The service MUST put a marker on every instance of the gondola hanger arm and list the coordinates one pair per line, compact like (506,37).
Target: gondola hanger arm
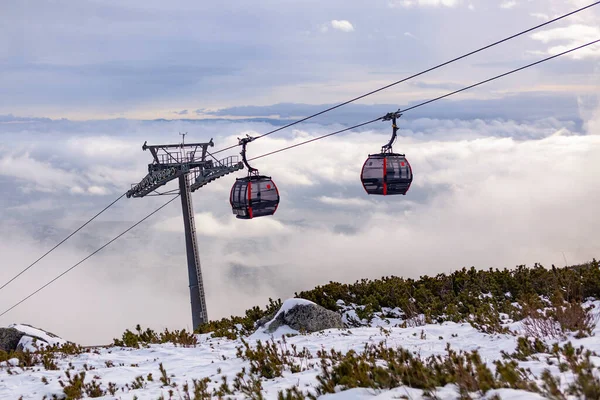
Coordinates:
(392,116)
(243,142)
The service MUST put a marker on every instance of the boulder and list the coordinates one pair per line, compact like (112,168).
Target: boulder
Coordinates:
(304,315)
(10,338)
(26,337)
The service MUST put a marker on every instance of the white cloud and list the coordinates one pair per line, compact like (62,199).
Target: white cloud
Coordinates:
(102,146)
(574,35)
(346,201)
(590,112)
(424,3)
(227,226)
(579,33)
(42,175)
(76,190)
(98,190)
(508,4)
(540,16)
(102,174)
(342,25)
(36,206)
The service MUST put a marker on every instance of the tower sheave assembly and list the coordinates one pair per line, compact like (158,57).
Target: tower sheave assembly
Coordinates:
(189,164)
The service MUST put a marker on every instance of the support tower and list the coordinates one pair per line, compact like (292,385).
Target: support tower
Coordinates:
(189,164)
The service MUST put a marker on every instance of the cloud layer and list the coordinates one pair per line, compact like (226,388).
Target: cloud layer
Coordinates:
(487,192)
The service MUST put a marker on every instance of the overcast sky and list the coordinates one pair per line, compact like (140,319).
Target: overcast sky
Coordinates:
(149,58)
(505,174)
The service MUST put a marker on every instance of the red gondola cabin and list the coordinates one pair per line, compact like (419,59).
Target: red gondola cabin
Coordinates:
(254,196)
(386,174)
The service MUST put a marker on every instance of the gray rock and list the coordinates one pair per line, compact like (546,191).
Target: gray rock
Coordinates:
(261,322)
(9,339)
(307,317)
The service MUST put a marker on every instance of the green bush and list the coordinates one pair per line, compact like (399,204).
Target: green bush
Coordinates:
(476,296)
(142,338)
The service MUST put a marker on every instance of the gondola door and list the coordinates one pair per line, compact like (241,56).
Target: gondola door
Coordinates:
(372,177)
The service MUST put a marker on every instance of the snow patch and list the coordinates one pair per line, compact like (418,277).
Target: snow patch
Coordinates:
(216,358)
(28,342)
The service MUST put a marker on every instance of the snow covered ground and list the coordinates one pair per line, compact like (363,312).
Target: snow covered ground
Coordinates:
(216,358)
